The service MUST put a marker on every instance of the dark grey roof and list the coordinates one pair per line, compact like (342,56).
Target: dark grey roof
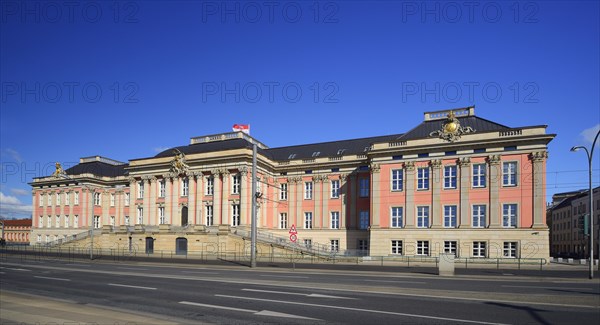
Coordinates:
(98,168)
(208,147)
(477,123)
(328,149)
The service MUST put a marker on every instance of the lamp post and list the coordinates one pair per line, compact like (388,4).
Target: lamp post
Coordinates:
(590,156)
(60,173)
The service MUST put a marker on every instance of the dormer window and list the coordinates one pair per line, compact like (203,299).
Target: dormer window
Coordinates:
(341,152)
(291,156)
(316,154)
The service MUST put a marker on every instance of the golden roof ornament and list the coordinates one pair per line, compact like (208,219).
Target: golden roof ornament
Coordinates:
(59,170)
(451,129)
(178,164)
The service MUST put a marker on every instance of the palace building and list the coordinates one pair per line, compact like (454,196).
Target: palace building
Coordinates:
(455,183)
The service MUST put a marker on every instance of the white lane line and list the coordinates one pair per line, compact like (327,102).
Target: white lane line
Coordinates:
(285,276)
(130,286)
(255,312)
(362,310)
(312,295)
(17,269)
(534,287)
(390,281)
(49,278)
(199,272)
(132,268)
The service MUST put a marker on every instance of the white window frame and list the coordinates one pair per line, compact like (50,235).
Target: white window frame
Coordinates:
(397,247)
(57,198)
(57,221)
(479,249)
(41,199)
(283,220)
(308,190)
(209,188)
(140,192)
(364,221)
(363,187)
(236,184)
(335,219)
(479,175)
(450,216)
(127,221)
(397,217)
(423,219)
(49,199)
(423,178)
(76,198)
(76,221)
(422,248)
(235,215)
(185,187)
(41,222)
(450,177)
(451,247)
(477,216)
(39,238)
(67,198)
(334,245)
(510,249)
(397,180)
(308,220)
(510,173)
(161,215)
(510,220)
(66,225)
(308,243)
(97,198)
(140,215)
(209,212)
(49,222)
(112,221)
(112,199)
(127,199)
(162,188)
(283,191)
(97,222)
(335,189)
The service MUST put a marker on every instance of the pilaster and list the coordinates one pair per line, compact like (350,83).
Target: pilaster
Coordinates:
(409,211)
(436,217)
(375,194)
(465,176)
(494,182)
(538,159)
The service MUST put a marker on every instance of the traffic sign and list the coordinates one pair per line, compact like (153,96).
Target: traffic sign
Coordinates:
(293,238)
(293,230)
(293,234)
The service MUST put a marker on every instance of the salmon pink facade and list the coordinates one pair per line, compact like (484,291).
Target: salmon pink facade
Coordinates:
(456,183)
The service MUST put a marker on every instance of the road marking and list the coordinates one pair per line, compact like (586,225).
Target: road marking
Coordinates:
(312,295)
(390,281)
(199,272)
(362,310)
(132,268)
(2,272)
(130,286)
(17,269)
(285,276)
(534,287)
(49,278)
(255,312)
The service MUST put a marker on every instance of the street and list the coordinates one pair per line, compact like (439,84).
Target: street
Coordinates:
(236,294)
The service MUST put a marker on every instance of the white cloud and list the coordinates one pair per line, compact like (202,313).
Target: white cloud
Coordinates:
(18,191)
(14,154)
(11,206)
(589,134)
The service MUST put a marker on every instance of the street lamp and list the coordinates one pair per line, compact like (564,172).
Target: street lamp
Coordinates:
(60,173)
(590,156)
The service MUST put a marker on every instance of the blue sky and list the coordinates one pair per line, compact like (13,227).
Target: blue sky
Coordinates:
(128,79)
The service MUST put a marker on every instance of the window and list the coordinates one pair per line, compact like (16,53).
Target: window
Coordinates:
(308,243)
(127,199)
(235,183)
(478,216)
(510,249)
(450,216)
(449,177)
(422,217)
(363,187)
(335,220)
(209,215)
(47,238)
(450,247)
(479,175)
(41,222)
(57,198)
(162,188)
(41,199)
(364,220)
(478,249)
(397,180)
(509,173)
(335,245)
(67,198)
(112,200)
(112,221)
(39,238)
(363,246)
(423,247)
(49,197)
(96,222)
(127,220)
(235,215)
(308,222)
(423,178)
(308,190)
(397,213)
(210,186)
(335,189)
(76,221)
(49,223)
(97,199)
(161,215)
(397,247)
(509,215)
(283,220)
(140,190)
(57,221)
(76,198)
(66,221)
(140,215)
(283,187)
(185,187)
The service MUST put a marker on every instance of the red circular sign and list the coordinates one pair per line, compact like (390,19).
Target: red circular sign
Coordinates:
(293,237)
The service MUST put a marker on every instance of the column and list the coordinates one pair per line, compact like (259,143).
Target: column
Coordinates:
(299,199)
(199,176)
(121,202)
(436,191)
(175,220)
(132,206)
(62,207)
(353,198)
(274,202)
(225,190)
(168,198)
(343,197)
(326,195)
(245,213)
(409,211)
(291,198)
(191,198)
(375,195)
(216,203)
(494,183)
(318,220)
(465,185)
(152,215)
(146,202)
(104,206)
(538,158)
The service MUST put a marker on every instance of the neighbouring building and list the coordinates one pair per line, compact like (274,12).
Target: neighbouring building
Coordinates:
(565,219)
(454,183)
(16,231)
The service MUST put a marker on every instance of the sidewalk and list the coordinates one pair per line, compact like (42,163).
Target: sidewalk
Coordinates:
(18,309)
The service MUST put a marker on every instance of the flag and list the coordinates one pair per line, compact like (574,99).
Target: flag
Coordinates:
(241,127)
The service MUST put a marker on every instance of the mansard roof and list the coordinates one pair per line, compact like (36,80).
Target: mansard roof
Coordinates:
(203,147)
(478,124)
(98,168)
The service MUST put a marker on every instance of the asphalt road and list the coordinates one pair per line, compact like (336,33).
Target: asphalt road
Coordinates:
(236,294)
